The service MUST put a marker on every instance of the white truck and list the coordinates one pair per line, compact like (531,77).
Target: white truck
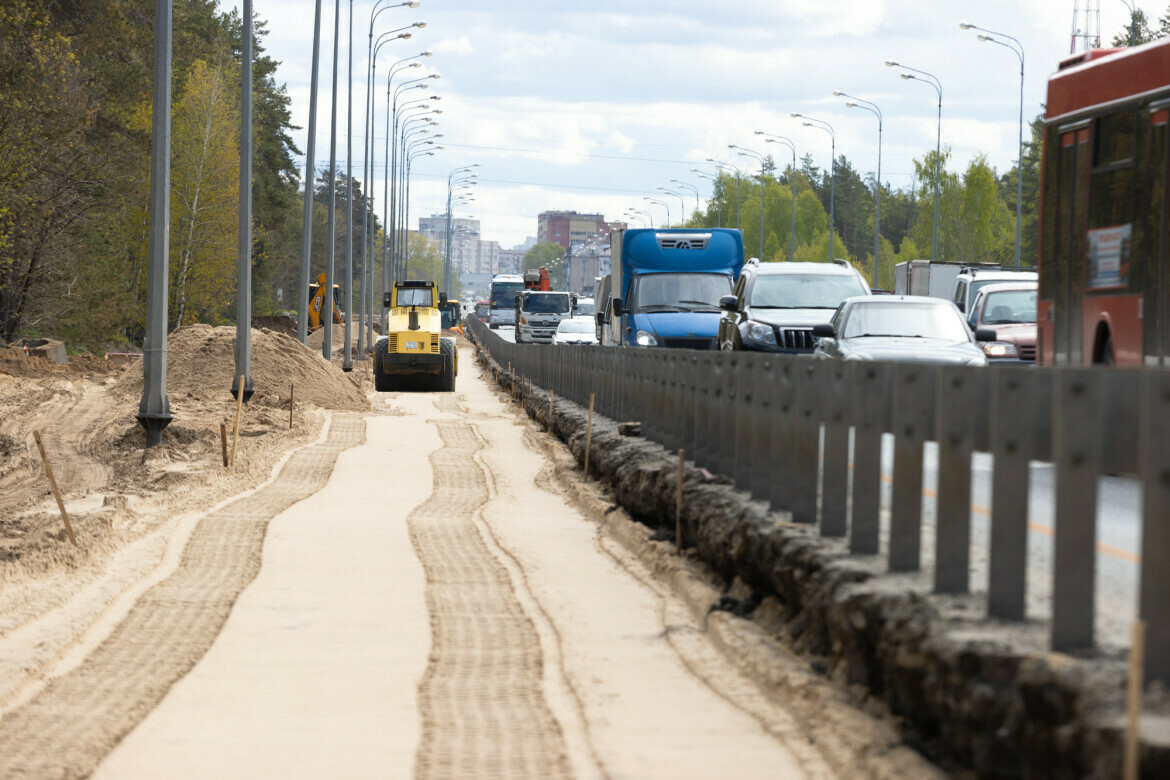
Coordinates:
(923,277)
(538,314)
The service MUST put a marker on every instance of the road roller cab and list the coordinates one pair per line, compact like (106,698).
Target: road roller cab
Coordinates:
(413,355)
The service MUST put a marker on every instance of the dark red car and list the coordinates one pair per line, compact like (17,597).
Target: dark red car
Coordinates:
(1008,308)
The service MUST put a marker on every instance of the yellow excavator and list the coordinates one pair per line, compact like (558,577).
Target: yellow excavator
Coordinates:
(317,302)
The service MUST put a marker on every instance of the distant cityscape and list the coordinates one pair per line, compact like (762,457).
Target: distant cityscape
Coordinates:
(583,237)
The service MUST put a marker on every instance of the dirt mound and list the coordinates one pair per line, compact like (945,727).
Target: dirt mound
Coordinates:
(201,361)
(316,340)
(280,323)
(14,362)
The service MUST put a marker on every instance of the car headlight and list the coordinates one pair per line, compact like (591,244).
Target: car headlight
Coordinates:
(1000,349)
(645,338)
(760,333)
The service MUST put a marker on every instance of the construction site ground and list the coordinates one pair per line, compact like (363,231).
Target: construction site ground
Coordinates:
(397,585)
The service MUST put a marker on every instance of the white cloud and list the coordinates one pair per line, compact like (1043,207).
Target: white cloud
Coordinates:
(460,46)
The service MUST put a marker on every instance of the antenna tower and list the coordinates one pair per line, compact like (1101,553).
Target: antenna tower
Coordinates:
(1086,25)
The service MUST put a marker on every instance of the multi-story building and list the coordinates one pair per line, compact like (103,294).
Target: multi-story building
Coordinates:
(585,262)
(510,261)
(489,257)
(566,227)
(465,251)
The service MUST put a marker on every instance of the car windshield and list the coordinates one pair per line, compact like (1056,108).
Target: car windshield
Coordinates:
(586,308)
(907,319)
(575,326)
(1009,306)
(414,296)
(680,292)
(804,291)
(546,303)
(978,284)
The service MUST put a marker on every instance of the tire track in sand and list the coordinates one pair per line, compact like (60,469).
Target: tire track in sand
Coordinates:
(79,717)
(481,699)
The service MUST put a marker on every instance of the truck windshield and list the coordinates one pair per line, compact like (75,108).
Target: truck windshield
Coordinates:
(504,297)
(414,296)
(680,292)
(804,291)
(546,303)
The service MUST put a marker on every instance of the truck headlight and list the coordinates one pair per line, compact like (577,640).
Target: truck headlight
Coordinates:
(1000,349)
(645,338)
(760,333)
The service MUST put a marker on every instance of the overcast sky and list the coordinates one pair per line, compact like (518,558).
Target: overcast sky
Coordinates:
(592,106)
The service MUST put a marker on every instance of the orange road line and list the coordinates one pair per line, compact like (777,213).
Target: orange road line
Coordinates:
(1040,528)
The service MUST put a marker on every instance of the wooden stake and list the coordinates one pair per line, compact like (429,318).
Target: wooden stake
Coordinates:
(53,487)
(678,503)
(239,413)
(589,435)
(1134,702)
(223,441)
(292,389)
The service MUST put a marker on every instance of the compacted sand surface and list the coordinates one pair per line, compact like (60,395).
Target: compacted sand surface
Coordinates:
(415,591)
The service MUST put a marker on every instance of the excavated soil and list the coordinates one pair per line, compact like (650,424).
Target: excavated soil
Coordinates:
(124,502)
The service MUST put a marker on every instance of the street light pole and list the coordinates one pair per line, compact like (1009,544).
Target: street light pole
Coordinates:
(718,201)
(310,174)
(692,188)
(1018,50)
(820,124)
(663,204)
(872,108)
(937,85)
(682,204)
(743,152)
(720,166)
(779,139)
(330,259)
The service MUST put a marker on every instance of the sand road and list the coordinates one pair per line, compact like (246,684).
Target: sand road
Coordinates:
(411,596)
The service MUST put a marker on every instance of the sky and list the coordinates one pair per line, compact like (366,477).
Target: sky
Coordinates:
(593,106)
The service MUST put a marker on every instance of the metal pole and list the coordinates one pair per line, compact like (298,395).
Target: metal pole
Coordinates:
(1020,163)
(792,235)
(387,228)
(937,161)
(310,147)
(327,308)
(363,315)
(832,192)
(347,356)
(244,264)
(154,409)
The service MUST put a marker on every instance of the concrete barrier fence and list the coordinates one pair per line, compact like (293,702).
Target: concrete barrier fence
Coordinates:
(806,436)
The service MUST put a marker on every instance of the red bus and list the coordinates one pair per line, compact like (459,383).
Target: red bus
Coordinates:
(1104,291)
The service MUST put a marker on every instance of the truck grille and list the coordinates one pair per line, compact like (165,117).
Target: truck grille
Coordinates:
(683,240)
(800,339)
(392,342)
(689,343)
(432,346)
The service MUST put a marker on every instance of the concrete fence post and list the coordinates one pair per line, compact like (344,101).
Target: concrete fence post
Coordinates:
(1154,456)
(912,391)
(688,398)
(870,383)
(672,437)
(783,412)
(725,414)
(705,383)
(1012,437)
(956,403)
(763,377)
(1076,446)
(806,426)
(835,465)
(746,419)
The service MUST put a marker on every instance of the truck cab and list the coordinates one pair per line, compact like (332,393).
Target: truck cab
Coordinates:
(666,286)
(538,314)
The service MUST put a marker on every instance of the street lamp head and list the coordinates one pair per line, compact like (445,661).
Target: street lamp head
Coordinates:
(415,65)
(838,93)
(426,53)
(807,124)
(757,132)
(891,64)
(434,76)
(796,116)
(984,37)
(403,36)
(965,25)
(419,24)
(850,104)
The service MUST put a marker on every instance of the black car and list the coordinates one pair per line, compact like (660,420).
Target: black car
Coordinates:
(775,305)
(906,328)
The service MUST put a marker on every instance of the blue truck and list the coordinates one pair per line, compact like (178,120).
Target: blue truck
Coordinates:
(665,285)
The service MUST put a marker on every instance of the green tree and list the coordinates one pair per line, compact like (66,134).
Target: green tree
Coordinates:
(551,256)
(45,113)
(772,253)
(1136,32)
(205,179)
